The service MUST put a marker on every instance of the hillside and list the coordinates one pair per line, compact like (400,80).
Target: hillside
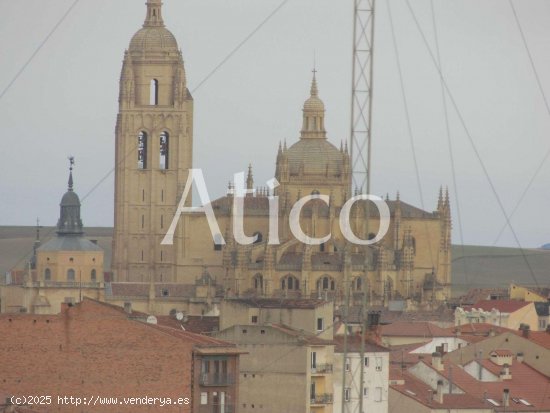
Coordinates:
(473,266)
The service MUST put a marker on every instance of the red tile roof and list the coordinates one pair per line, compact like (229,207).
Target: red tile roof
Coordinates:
(504,306)
(542,338)
(414,329)
(526,383)
(95,348)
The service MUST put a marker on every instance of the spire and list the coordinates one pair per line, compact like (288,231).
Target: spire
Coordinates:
(314,90)
(447,202)
(440,199)
(314,113)
(71,163)
(69,217)
(154,14)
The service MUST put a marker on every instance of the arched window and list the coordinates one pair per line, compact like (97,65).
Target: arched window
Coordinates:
(93,275)
(290,283)
(47,274)
(164,150)
(326,283)
(154,92)
(413,239)
(258,282)
(358,284)
(142,150)
(70,275)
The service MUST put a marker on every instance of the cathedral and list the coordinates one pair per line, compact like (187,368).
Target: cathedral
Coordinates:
(154,146)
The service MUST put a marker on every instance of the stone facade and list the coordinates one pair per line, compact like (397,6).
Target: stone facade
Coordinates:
(154,137)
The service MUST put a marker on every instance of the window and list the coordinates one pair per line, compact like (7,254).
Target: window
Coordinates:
(162,221)
(154,92)
(312,392)
(320,324)
(347,394)
(70,275)
(366,392)
(378,394)
(142,151)
(366,362)
(204,397)
(313,360)
(378,363)
(93,275)
(348,364)
(290,282)
(358,284)
(143,221)
(165,292)
(254,319)
(326,283)
(164,150)
(258,283)
(47,274)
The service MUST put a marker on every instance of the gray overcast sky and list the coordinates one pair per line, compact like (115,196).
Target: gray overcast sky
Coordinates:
(65,102)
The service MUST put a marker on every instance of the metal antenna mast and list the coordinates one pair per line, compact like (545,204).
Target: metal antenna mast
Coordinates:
(361,96)
(360,152)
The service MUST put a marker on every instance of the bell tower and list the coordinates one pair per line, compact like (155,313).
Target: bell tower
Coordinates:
(154,147)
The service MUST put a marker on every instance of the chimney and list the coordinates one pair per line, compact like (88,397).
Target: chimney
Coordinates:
(505,372)
(128,307)
(525,330)
(438,394)
(437,362)
(519,357)
(506,397)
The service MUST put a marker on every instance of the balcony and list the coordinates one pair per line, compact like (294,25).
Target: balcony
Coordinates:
(325,398)
(217,408)
(321,369)
(213,379)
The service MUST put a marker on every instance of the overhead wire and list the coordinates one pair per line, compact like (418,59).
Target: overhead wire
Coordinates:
(472,143)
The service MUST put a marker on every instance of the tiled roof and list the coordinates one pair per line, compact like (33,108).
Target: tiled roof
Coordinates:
(297,303)
(95,348)
(526,383)
(502,353)
(421,392)
(414,329)
(504,306)
(194,324)
(542,338)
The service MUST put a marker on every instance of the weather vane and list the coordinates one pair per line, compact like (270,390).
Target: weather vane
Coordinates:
(71,162)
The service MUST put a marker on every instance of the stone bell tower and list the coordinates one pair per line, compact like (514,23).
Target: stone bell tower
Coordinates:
(154,147)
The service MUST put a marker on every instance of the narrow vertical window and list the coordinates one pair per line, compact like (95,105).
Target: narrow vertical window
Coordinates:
(143,221)
(162,195)
(162,221)
(47,274)
(70,275)
(161,255)
(143,195)
(142,150)
(154,93)
(164,150)
(93,275)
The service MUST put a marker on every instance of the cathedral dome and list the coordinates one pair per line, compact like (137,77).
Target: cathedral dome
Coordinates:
(70,199)
(153,38)
(315,157)
(314,104)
